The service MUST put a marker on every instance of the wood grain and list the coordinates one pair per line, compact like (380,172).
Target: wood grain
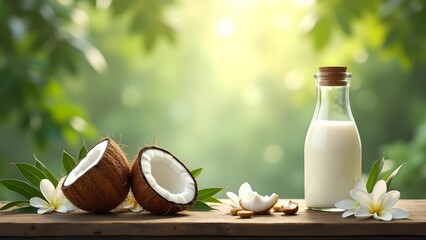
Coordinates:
(212,224)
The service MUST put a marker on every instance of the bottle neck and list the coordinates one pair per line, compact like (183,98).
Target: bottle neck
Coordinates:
(333,103)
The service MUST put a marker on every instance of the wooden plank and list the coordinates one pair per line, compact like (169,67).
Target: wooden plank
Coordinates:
(214,223)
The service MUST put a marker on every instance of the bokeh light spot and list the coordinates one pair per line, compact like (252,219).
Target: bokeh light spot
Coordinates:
(130,96)
(273,153)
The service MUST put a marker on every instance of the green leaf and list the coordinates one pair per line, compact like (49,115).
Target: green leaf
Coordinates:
(201,206)
(344,22)
(196,172)
(83,152)
(46,171)
(388,178)
(13,204)
(375,170)
(22,188)
(68,162)
(207,192)
(25,210)
(31,173)
(321,32)
(211,200)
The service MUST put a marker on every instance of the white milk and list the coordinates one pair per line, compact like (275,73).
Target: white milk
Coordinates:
(332,162)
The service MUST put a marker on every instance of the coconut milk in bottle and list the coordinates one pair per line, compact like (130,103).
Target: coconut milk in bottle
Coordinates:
(332,154)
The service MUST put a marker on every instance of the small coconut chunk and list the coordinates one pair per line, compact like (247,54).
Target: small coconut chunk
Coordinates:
(290,208)
(245,214)
(277,208)
(245,190)
(258,204)
(234,211)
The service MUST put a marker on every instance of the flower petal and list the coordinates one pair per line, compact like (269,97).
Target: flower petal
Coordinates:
(363,198)
(347,204)
(348,213)
(60,183)
(39,203)
(363,212)
(58,197)
(398,213)
(47,189)
(384,215)
(70,207)
(126,205)
(245,189)
(61,209)
(389,200)
(234,199)
(136,208)
(378,192)
(45,210)
(360,185)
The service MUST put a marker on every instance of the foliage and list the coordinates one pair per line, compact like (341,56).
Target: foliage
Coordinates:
(414,152)
(402,24)
(376,170)
(44,41)
(206,195)
(38,171)
(33,175)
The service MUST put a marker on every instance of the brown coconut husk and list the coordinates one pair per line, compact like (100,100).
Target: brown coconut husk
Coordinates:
(147,197)
(104,186)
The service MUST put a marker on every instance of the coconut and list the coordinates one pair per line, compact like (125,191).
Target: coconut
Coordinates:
(257,203)
(101,180)
(161,183)
(252,201)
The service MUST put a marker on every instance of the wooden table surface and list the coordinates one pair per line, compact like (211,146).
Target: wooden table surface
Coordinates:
(127,225)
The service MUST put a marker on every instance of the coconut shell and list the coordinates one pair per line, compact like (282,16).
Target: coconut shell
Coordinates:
(104,186)
(147,197)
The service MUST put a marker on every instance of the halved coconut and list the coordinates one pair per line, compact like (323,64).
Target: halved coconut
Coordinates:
(161,183)
(101,180)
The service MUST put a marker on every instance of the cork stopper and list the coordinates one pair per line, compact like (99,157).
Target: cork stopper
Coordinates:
(333,76)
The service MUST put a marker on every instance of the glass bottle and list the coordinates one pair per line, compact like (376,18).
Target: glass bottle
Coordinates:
(332,154)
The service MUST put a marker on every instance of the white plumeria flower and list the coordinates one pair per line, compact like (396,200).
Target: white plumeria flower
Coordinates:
(244,191)
(378,203)
(131,203)
(56,200)
(350,205)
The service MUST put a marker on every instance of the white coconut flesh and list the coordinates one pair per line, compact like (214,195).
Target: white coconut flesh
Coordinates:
(167,176)
(254,202)
(92,158)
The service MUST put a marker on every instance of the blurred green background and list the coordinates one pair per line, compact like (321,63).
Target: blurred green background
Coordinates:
(226,84)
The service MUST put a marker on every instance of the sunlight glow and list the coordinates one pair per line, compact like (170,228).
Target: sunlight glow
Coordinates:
(103,4)
(252,96)
(225,27)
(282,21)
(294,80)
(304,3)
